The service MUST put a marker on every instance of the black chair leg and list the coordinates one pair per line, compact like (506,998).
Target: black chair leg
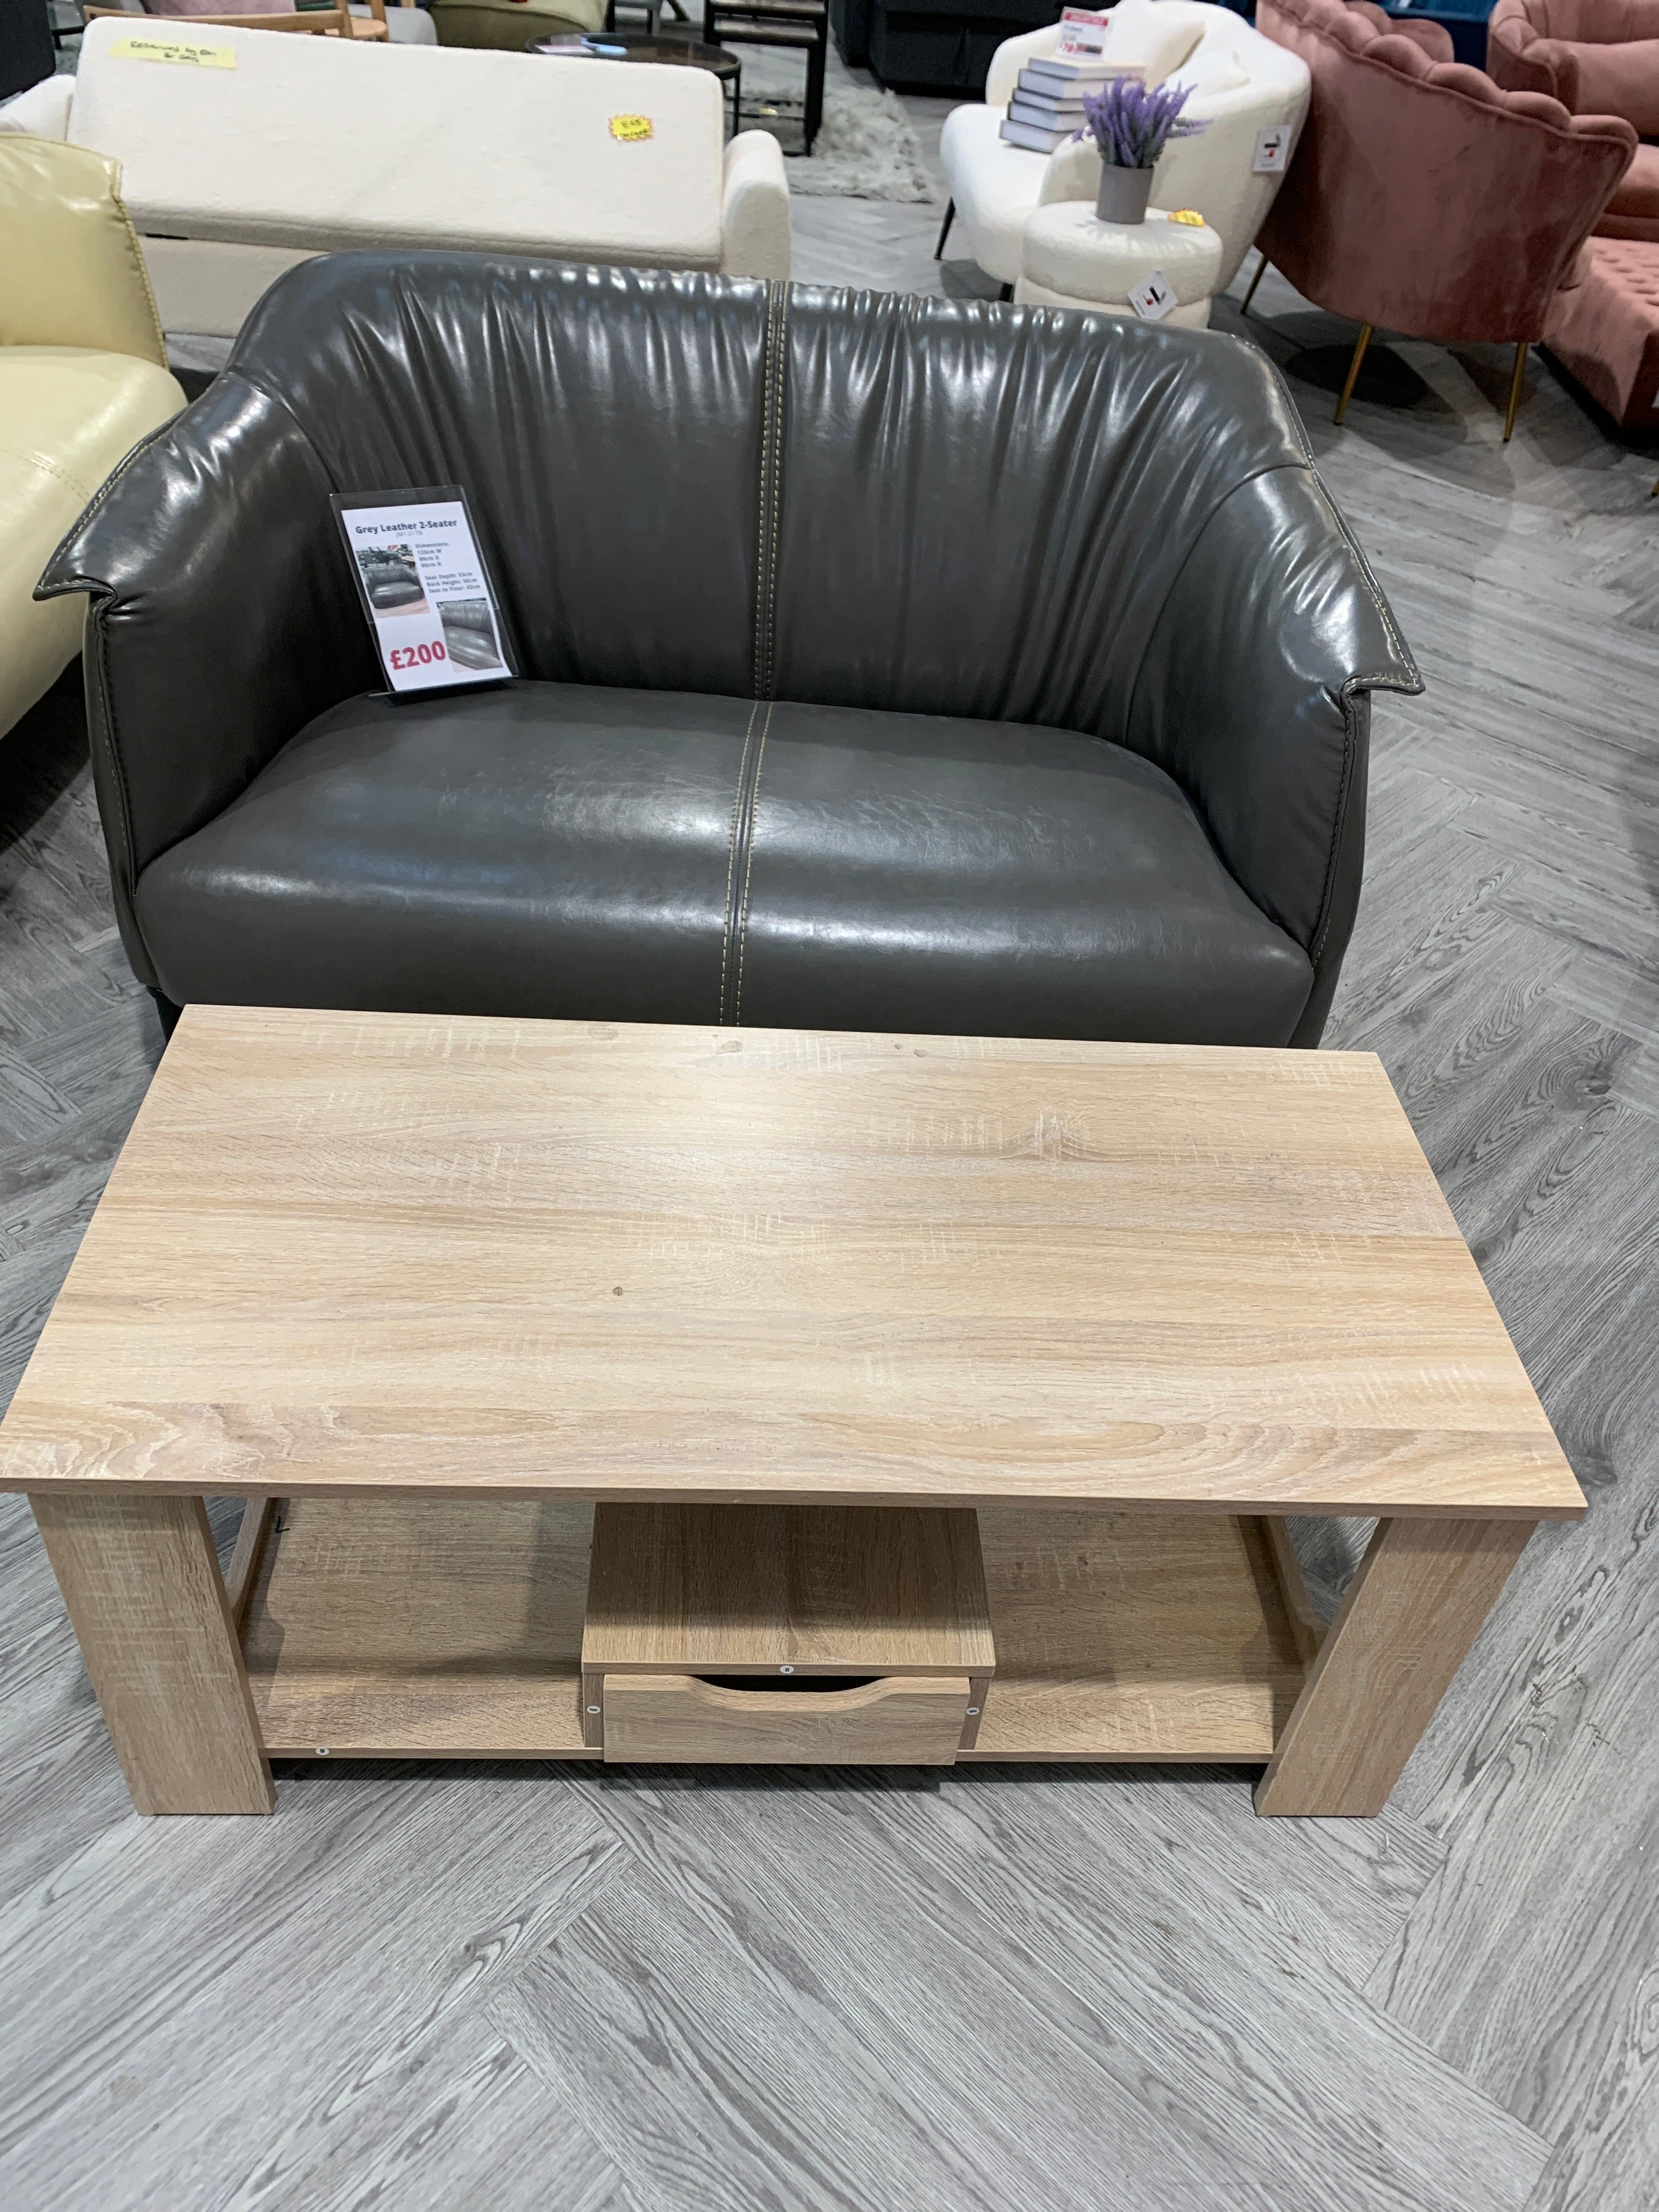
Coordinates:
(165,1008)
(945,228)
(815,58)
(1007,292)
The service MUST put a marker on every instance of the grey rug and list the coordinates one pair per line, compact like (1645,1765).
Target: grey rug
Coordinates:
(866,148)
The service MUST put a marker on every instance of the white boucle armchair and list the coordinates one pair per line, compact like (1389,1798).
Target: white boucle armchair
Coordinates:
(1240,84)
(297,146)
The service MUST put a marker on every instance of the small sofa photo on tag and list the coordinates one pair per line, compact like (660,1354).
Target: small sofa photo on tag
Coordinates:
(431,607)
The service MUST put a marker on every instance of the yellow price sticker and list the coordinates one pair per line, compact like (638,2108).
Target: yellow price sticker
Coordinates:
(631,127)
(183,53)
(1188,215)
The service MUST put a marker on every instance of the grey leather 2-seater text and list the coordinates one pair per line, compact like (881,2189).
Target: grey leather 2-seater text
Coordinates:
(887,663)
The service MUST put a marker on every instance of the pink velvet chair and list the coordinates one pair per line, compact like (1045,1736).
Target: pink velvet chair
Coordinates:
(1597,58)
(1423,198)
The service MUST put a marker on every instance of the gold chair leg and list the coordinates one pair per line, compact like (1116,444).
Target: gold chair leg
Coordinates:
(1515,389)
(1365,330)
(1260,269)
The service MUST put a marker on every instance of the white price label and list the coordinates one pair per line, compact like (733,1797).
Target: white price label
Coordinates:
(1153,299)
(1272,150)
(423,588)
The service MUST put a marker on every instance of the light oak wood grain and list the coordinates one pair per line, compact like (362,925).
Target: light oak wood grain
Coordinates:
(905,1720)
(1129,1637)
(819,1589)
(141,1585)
(640,1263)
(421,1627)
(1404,1628)
(1524,577)
(242,1575)
(1306,1626)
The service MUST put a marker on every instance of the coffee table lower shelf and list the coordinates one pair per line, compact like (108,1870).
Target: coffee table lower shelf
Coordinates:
(441,1628)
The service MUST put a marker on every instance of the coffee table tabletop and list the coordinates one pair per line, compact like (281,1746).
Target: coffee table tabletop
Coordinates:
(396,1253)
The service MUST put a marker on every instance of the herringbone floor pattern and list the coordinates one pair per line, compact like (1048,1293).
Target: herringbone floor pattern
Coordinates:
(1108,1991)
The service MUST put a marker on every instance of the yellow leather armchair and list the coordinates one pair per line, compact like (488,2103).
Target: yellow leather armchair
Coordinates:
(83,378)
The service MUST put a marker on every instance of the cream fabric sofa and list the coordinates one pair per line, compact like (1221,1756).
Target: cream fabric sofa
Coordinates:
(1242,83)
(83,379)
(291,147)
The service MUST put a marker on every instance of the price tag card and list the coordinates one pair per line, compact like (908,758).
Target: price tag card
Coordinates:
(1272,150)
(424,588)
(1082,34)
(1153,299)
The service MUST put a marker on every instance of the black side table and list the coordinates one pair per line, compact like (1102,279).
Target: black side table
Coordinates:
(803,24)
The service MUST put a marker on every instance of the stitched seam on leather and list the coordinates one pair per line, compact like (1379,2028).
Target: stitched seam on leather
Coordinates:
(142,267)
(1343,788)
(732,852)
(46,468)
(1392,680)
(113,745)
(765,515)
(99,498)
(749,866)
(766,569)
(780,358)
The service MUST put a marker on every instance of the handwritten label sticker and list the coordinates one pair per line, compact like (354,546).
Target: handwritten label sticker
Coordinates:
(631,128)
(1190,216)
(1153,299)
(1272,150)
(184,53)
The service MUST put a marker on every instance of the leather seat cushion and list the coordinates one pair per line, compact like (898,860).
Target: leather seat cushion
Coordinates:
(562,850)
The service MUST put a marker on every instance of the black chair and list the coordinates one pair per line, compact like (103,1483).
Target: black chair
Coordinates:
(885,663)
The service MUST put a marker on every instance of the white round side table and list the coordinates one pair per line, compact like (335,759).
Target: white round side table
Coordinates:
(1070,259)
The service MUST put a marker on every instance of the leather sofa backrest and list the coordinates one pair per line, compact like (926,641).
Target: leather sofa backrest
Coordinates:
(935,462)
(604,430)
(954,502)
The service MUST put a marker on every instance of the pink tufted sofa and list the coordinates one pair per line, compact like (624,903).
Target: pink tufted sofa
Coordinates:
(1597,56)
(1601,54)
(1423,198)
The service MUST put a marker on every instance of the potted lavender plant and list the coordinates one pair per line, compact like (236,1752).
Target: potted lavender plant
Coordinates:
(1132,124)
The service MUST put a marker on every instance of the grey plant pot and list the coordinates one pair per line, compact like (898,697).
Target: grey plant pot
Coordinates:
(1123,193)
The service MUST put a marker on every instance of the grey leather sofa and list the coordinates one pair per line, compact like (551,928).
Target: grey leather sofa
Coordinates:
(888,663)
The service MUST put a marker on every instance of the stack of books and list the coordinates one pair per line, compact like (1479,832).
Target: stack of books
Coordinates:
(1046,108)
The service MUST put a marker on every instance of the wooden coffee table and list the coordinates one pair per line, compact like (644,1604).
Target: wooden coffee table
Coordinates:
(608,1391)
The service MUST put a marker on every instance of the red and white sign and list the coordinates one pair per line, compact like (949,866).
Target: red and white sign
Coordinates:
(1082,34)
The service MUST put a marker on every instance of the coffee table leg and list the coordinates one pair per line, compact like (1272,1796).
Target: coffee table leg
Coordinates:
(1405,1628)
(141,1581)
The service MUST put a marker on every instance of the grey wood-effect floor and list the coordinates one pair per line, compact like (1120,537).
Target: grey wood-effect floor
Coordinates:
(652,1991)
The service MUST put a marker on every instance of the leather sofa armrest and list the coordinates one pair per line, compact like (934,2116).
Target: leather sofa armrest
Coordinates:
(221,619)
(42,111)
(1253,693)
(755,208)
(74,273)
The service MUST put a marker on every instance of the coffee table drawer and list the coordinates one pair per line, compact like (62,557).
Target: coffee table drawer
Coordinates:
(901,1720)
